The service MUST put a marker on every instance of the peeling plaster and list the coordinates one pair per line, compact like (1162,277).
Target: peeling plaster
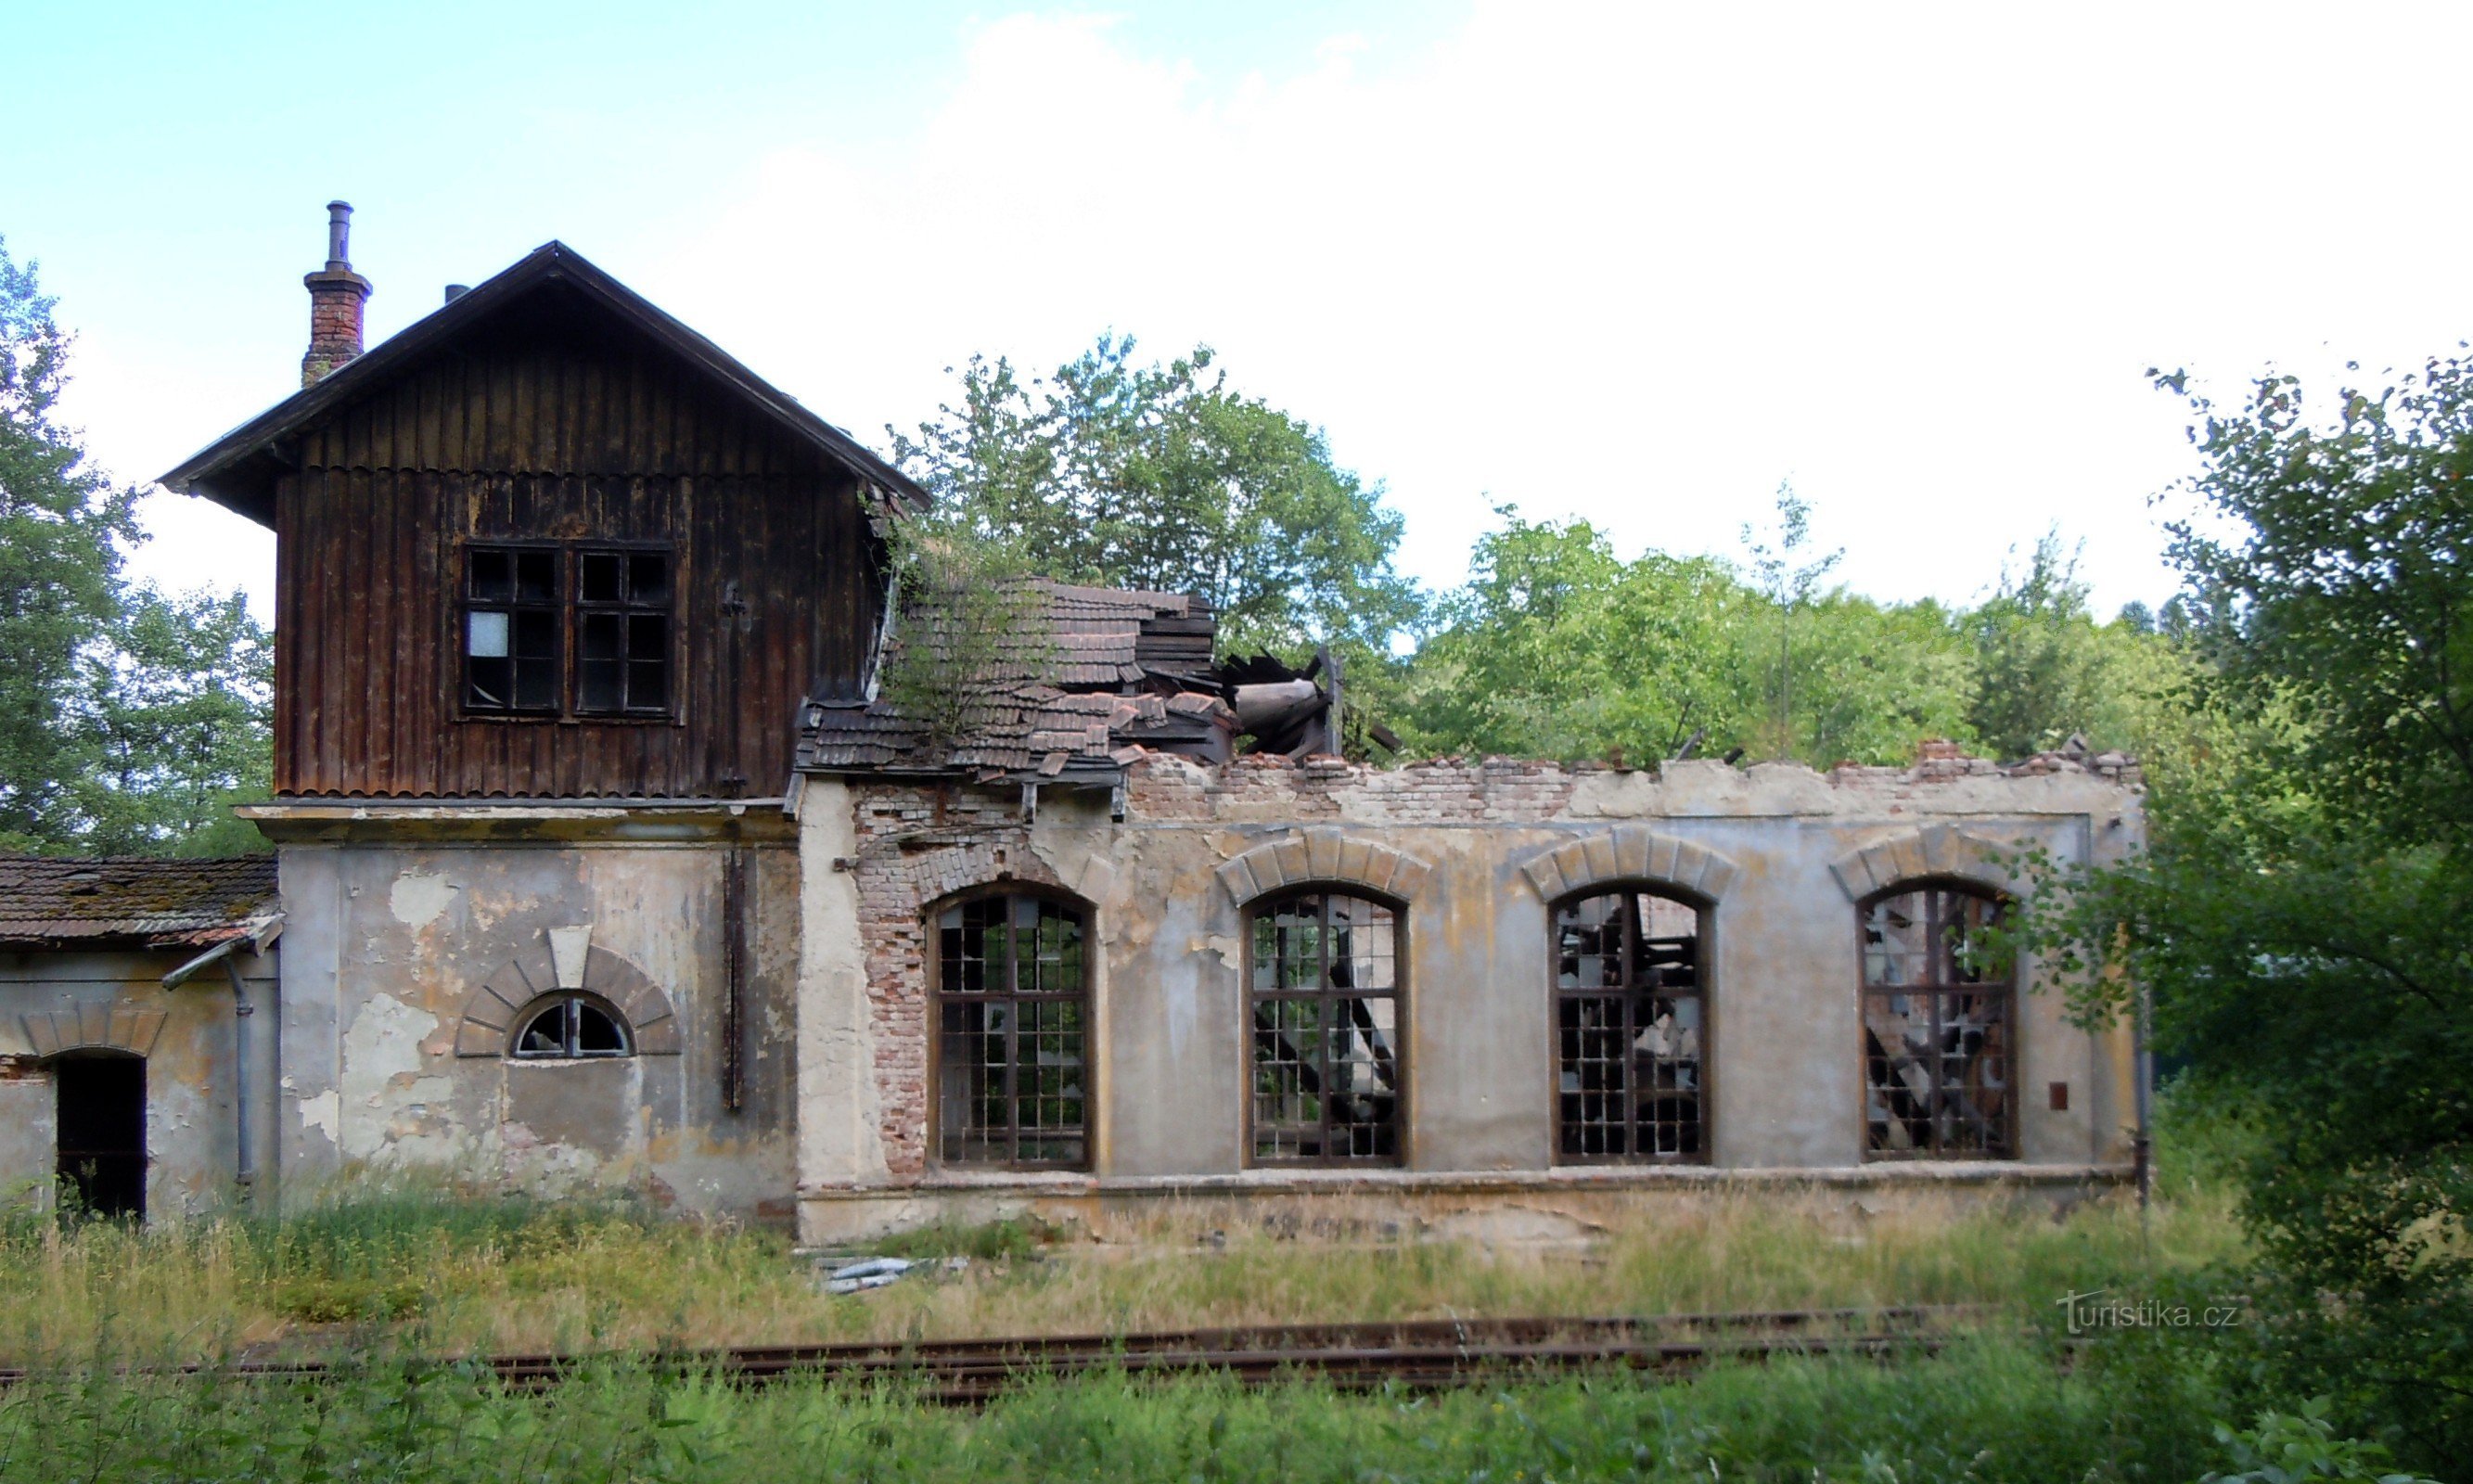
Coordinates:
(417,899)
(323,1113)
(384,1040)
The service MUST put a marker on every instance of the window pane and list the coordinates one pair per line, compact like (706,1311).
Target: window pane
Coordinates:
(601,686)
(596,1034)
(544,1034)
(1894,949)
(648,685)
(537,685)
(490,575)
(648,636)
(536,634)
(486,634)
(603,638)
(597,579)
(648,577)
(489,684)
(536,577)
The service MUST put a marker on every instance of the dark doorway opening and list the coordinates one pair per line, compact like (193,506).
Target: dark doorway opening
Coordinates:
(100,1114)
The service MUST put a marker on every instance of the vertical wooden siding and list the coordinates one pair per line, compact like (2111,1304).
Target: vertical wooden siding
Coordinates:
(544,441)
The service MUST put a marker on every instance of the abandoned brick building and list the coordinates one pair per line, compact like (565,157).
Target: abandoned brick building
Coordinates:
(602,860)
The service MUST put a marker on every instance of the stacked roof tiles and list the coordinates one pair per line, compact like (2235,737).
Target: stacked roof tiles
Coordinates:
(1072,697)
(129,902)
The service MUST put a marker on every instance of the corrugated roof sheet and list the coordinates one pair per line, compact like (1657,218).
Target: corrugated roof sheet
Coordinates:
(130,902)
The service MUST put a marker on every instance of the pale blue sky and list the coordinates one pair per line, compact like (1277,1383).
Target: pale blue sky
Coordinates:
(1631,262)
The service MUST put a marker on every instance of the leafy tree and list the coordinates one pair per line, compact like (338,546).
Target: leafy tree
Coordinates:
(59,519)
(128,718)
(2304,918)
(1162,477)
(1558,648)
(1789,585)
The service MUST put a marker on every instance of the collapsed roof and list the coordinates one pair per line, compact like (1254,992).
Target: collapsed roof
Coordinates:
(1099,676)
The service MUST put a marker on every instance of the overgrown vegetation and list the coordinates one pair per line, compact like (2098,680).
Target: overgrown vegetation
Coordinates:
(456,1271)
(2304,917)
(129,718)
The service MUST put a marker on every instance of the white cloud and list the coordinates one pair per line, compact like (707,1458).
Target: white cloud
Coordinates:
(1639,263)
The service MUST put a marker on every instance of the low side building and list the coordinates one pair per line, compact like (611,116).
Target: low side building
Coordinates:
(117,1092)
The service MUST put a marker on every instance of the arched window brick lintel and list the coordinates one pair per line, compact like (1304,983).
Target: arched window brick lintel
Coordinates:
(1943,851)
(490,1012)
(1322,855)
(1628,852)
(129,1028)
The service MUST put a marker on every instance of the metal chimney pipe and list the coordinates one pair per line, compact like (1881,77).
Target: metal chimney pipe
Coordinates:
(338,236)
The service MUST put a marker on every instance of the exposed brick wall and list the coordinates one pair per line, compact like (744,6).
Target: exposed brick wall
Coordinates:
(917,844)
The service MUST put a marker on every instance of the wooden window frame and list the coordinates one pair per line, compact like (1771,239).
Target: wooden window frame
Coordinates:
(1632,992)
(938,998)
(466,605)
(1939,989)
(1324,995)
(582,609)
(570,610)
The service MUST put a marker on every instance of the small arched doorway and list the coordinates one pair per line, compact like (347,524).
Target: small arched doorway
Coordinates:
(99,1111)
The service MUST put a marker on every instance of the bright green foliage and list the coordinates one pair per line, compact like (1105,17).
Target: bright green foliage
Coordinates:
(59,520)
(2297,1447)
(1161,477)
(2304,919)
(128,718)
(2044,669)
(1558,648)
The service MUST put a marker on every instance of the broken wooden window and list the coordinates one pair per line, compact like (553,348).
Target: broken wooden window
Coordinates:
(512,644)
(1324,998)
(1938,1010)
(569,1026)
(1011,1019)
(622,615)
(1630,1029)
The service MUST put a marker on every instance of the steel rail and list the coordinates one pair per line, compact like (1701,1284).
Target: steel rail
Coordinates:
(1415,1354)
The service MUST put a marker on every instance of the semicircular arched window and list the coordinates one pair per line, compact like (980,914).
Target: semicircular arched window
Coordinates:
(1012,1016)
(1630,1029)
(568,1028)
(1939,1012)
(1324,993)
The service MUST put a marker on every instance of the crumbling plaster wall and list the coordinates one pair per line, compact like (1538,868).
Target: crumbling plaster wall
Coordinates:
(389,943)
(52,1002)
(1169,1041)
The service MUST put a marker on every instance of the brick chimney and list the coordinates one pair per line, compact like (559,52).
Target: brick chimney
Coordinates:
(336,294)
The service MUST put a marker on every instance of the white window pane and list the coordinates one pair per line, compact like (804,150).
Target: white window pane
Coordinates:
(488,638)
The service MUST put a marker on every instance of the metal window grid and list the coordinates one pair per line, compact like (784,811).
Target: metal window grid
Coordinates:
(1325,1011)
(1011,1020)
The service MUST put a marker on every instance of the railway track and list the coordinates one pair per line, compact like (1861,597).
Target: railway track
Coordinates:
(1417,1353)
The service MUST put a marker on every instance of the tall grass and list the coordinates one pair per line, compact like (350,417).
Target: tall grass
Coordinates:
(1986,1411)
(457,1271)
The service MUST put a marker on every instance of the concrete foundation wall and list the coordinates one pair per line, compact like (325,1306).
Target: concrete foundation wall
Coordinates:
(1779,853)
(405,960)
(56,1004)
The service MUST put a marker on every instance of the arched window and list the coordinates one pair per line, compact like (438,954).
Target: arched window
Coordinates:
(563,1027)
(1324,993)
(1630,1029)
(1011,1012)
(1938,1054)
